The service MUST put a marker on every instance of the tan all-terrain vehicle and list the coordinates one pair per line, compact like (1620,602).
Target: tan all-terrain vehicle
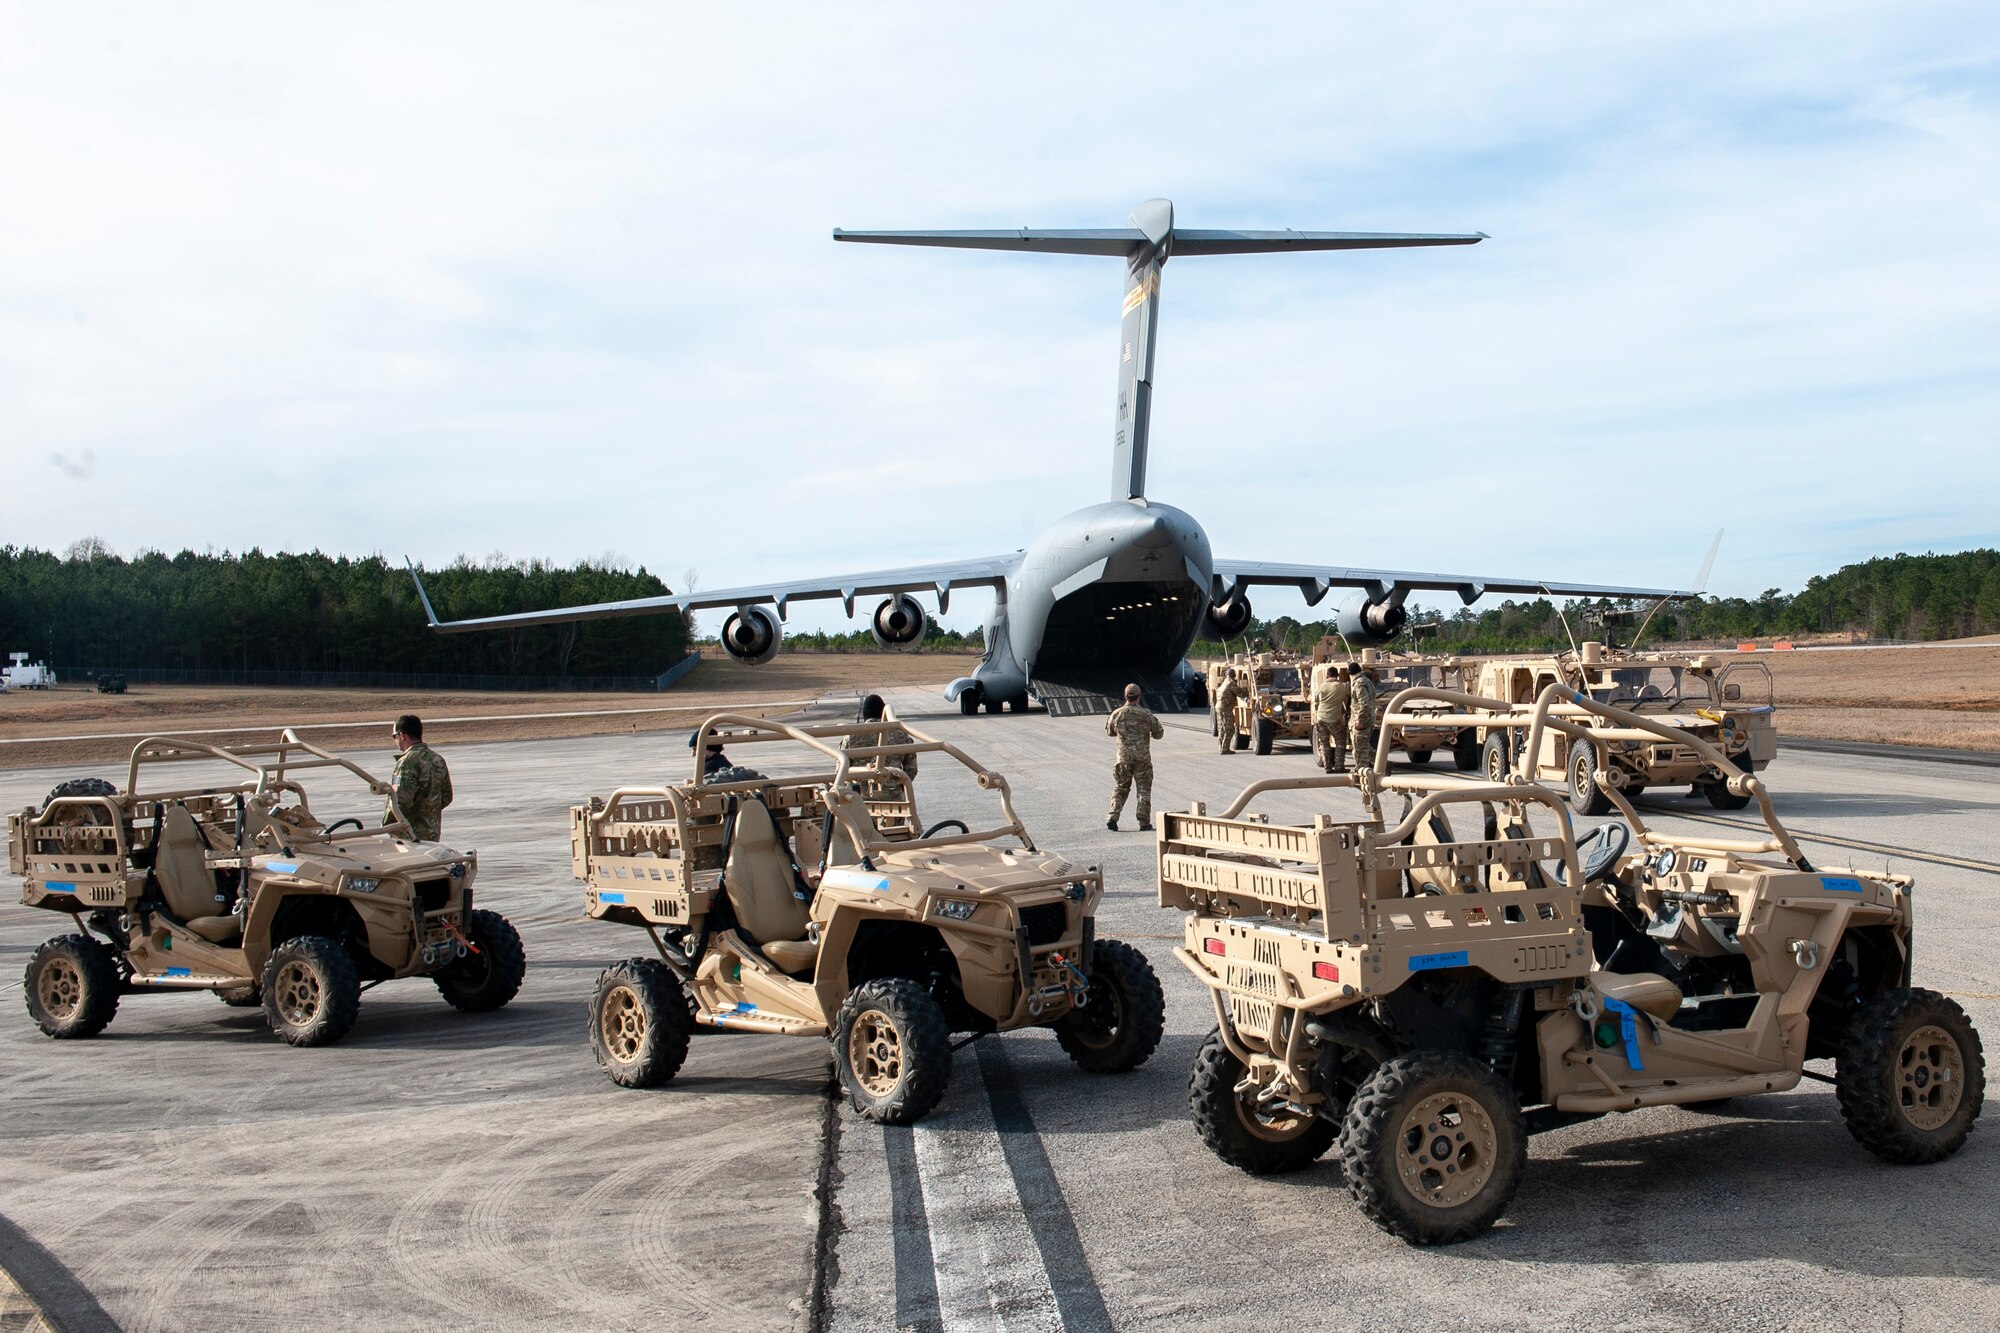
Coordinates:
(1426,989)
(1728,706)
(817,903)
(1273,706)
(191,881)
(1395,672)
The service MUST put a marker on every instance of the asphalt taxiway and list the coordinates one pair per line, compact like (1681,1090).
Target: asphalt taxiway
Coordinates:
(187,1170)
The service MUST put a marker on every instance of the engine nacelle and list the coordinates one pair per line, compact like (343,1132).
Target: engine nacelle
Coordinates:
(1362,622)
(751,635)
(1227,620)
(899,623)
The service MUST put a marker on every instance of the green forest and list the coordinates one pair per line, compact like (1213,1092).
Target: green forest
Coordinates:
(91,608)
(1899,597)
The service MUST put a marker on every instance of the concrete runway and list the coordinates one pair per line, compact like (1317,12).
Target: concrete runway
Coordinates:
(187,1170)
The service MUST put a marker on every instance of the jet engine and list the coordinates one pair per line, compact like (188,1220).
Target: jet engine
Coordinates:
(899,623)
(751,635)
(1361,621)
(1226,620)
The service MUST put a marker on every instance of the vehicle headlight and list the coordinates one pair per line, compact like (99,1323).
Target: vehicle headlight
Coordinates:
(363,884)
(956,909)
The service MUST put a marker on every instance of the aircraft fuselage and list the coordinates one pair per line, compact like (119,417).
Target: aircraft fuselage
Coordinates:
(1115,589)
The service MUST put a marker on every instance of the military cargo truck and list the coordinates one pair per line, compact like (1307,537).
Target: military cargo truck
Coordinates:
(1274,706)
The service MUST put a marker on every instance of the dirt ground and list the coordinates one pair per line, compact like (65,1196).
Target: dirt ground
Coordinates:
(1934,694)
(1942,695)
(65,725)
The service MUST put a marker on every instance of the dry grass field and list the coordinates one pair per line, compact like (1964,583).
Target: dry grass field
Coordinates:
(86,727)
(1940,695)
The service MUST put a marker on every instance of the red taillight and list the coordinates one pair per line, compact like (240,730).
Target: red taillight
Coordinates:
(1212,945)
(1326,972)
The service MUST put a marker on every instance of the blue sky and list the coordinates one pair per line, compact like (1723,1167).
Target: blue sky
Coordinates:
(556,281)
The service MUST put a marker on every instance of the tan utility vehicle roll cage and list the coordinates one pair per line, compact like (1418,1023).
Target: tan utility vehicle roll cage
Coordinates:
(729,729)
(272,782)
(1552,710)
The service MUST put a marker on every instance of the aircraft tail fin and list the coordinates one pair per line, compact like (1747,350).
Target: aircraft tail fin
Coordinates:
(1145,246)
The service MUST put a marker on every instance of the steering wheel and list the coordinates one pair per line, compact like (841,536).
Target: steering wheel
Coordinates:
(334,827)
(1597,851)
(943,824)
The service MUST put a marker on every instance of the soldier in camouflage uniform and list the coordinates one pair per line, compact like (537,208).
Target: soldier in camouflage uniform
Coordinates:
(872,710)
(1329,714)
(1225,710)
(421,782)
(1361,718)
(1136,729)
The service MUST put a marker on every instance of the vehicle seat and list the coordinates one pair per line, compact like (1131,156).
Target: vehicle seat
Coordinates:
(758,877)
(180,867)
(1435,831)
(1648,992)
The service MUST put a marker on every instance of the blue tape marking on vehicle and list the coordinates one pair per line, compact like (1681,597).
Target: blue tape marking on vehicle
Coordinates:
(282,867)
(1424,962)
(1840,884)
(611,897)
(1628,1027)
(179,972)
(57,886)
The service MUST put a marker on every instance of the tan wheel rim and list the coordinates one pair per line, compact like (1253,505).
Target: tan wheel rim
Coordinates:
(622,1020)
(59,988)
(1100,1019)
(1930,1078)
(1496,766)
(1446,1149)
(298,993)
(1272,1126)
(1586,786)
(875,1053)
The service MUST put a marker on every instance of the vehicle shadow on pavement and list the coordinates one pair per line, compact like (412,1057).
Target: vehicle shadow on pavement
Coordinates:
(1775,1178)
(1064,1100)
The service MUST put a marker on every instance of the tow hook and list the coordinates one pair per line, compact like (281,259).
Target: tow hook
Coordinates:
(1806,954)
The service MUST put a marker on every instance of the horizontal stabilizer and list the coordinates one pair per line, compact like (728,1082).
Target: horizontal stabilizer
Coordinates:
(1125,240)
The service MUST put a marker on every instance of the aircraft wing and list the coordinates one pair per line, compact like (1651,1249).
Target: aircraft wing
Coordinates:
(986,572)
(1315,581)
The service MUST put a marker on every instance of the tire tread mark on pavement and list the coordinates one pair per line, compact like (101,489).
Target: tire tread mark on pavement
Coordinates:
(1050,1221)
(64,1303)
(916,1270)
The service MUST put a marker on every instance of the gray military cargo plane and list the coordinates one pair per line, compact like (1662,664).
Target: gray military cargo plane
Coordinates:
(1112,593)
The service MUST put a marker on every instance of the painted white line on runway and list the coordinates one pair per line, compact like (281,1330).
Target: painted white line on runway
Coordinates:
(989,1271)
(430,722)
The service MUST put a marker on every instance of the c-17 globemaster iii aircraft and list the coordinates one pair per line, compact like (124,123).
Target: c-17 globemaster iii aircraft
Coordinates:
(1112,593)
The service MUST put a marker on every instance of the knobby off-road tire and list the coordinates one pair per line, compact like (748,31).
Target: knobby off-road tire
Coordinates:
(640,1023)
(892,1050)
(484,980)
(1465,751)
(242,997)
(1911,1076)
(1433,1147)
(72,986)
(1266,732)
(1233,1129)
(1418,757)
(1495,757)
(82,787)
(1585,796)
(1121,1021)
(312,993)
(1242,741)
